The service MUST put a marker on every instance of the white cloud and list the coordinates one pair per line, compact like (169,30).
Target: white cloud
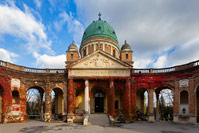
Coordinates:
(38,3)
(160,62)
(7,55)
(151,27)
(48,61)
(23,25)
(73,25)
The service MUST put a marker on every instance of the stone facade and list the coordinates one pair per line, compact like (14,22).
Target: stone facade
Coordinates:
(102,80)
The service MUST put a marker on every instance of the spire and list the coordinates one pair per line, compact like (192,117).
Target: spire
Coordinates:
(73,42)
(125,42)
(99,15)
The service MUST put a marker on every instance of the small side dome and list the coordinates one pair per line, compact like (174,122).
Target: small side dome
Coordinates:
(73,47)
(126,47)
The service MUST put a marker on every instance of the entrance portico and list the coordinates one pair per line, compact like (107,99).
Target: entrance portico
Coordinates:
(93,80)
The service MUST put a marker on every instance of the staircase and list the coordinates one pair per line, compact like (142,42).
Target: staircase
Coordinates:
(99,120)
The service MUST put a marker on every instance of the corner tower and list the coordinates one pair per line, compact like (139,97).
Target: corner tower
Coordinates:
(99,35)
(126,54)
(72,54)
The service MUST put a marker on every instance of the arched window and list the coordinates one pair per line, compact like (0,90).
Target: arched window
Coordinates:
(84,52)
(114,53)
(184,97)
(127,56)
(71,56)
(15,97)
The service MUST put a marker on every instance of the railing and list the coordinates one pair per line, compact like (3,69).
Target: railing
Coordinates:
(159,70)
(35,70)
(169,69)
(27,69)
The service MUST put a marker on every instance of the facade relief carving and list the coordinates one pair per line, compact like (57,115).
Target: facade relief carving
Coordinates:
(99,62)
(15,83)
(184,83)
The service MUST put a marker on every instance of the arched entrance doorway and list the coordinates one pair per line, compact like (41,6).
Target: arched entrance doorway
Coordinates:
(99,99)
(57,104)
(1,104)
(164,98)
(142,103)
(99,102)
(35,102)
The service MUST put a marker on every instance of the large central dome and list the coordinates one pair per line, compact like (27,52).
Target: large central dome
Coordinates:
(99,28)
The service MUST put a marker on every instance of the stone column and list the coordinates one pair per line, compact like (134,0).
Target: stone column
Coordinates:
(192,103)
(157,107)
(127,102)
(48,112)
(103,47)
(150,106)
(71,101)
(111,98)
(86,50)
(86,102)
(94,47)
(86,97)
(176,103)
(111,50)
(41,106)
(65,102)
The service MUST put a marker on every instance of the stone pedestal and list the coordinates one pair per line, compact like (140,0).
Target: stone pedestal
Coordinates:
(47,117)
(151,118)
(193,120)
(175,118)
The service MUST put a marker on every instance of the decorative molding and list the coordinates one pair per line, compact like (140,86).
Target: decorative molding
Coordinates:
(184,83)
(15,83)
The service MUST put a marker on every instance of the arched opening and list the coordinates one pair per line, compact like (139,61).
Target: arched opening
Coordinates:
(197,105)
(80,101)
(15,97)
(99,99)
(35,103)
(142,104)
(1,104)
(57,104)
(184,103)
(164,103)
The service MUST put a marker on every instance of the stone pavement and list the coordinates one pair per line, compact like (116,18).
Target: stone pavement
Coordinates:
(99,119)
(61,127)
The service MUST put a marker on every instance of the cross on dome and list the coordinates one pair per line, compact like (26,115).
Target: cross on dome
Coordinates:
(99,15)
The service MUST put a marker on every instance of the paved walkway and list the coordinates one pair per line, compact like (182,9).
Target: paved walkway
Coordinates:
(61,127)
(99,120)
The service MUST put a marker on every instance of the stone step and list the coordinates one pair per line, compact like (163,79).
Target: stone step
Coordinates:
(99,120)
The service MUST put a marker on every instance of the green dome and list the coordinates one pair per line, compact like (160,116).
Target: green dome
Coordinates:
(99,28)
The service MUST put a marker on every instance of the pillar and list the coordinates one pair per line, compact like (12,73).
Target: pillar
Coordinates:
(111,98)
(65,102)
(86,103)
(41,106)
(71,101)
(150,106)
(127,102)
(192,103)
(176,103)
(157,107)
(48,109)
(86,97)
(133,99)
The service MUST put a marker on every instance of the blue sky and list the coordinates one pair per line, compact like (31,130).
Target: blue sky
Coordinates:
(37,33)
